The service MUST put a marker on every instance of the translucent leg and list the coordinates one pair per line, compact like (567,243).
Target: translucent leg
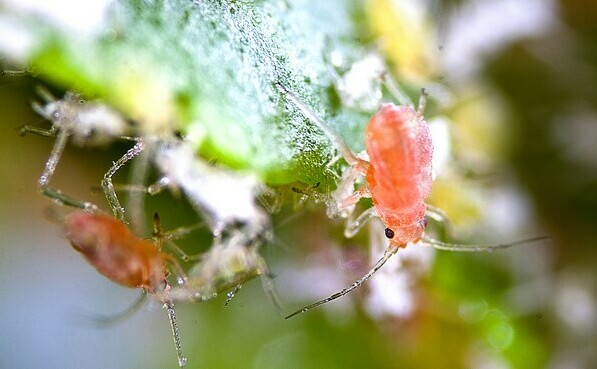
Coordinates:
(139,171)
(50,168)
(231,294)
(439,216)
(169,306)
(15,73)
(113,319)
(396,91)
(354,225)
(38,131)
(108,186)
(268,286)
(183,255)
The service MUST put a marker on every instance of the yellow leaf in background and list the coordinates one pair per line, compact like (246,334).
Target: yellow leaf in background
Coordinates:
(407,37)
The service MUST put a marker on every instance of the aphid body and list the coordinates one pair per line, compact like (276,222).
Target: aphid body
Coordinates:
(398,180)
(108,245)
(398,142)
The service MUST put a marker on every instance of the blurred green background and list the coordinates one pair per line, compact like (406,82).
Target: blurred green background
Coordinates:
(531,85)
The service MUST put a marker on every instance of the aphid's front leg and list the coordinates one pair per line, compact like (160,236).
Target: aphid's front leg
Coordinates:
(107,184)
(354,225)
(344,198)
(44,181)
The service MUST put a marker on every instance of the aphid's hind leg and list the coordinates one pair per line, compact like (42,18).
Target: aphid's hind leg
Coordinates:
(107,184)
(354,225)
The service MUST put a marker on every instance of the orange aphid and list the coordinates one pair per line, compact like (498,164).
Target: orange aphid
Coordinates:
(116,252)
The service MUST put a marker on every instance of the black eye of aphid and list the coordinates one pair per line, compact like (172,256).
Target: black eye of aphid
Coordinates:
(389,233)
(424,222)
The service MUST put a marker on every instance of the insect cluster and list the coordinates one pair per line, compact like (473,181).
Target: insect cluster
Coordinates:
(396,168)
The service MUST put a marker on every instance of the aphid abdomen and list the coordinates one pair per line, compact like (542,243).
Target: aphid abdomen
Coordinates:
(114,251)
(399,146)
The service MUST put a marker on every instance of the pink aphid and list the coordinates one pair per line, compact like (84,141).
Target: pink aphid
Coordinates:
(398,180)
(398,142)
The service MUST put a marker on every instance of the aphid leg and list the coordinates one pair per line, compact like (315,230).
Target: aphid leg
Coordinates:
(159,186)
(354,225)
(270,199)
(160,237)
(183,255)
(268,285)
(231,294)
(108,186)
(169,306)
(44,181)
(439,216)
(139,172)
(113,319)
(422,101)
(309,192)
(390,251)
(436,244)
(24,130)
(395,90)
(338,142)
(15,73)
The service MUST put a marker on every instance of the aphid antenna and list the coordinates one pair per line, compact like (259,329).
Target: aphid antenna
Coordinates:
(436,244)
(109,320)
(390,251)
(338,142)
(169,306)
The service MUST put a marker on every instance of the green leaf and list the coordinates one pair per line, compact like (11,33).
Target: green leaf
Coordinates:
(208,68)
